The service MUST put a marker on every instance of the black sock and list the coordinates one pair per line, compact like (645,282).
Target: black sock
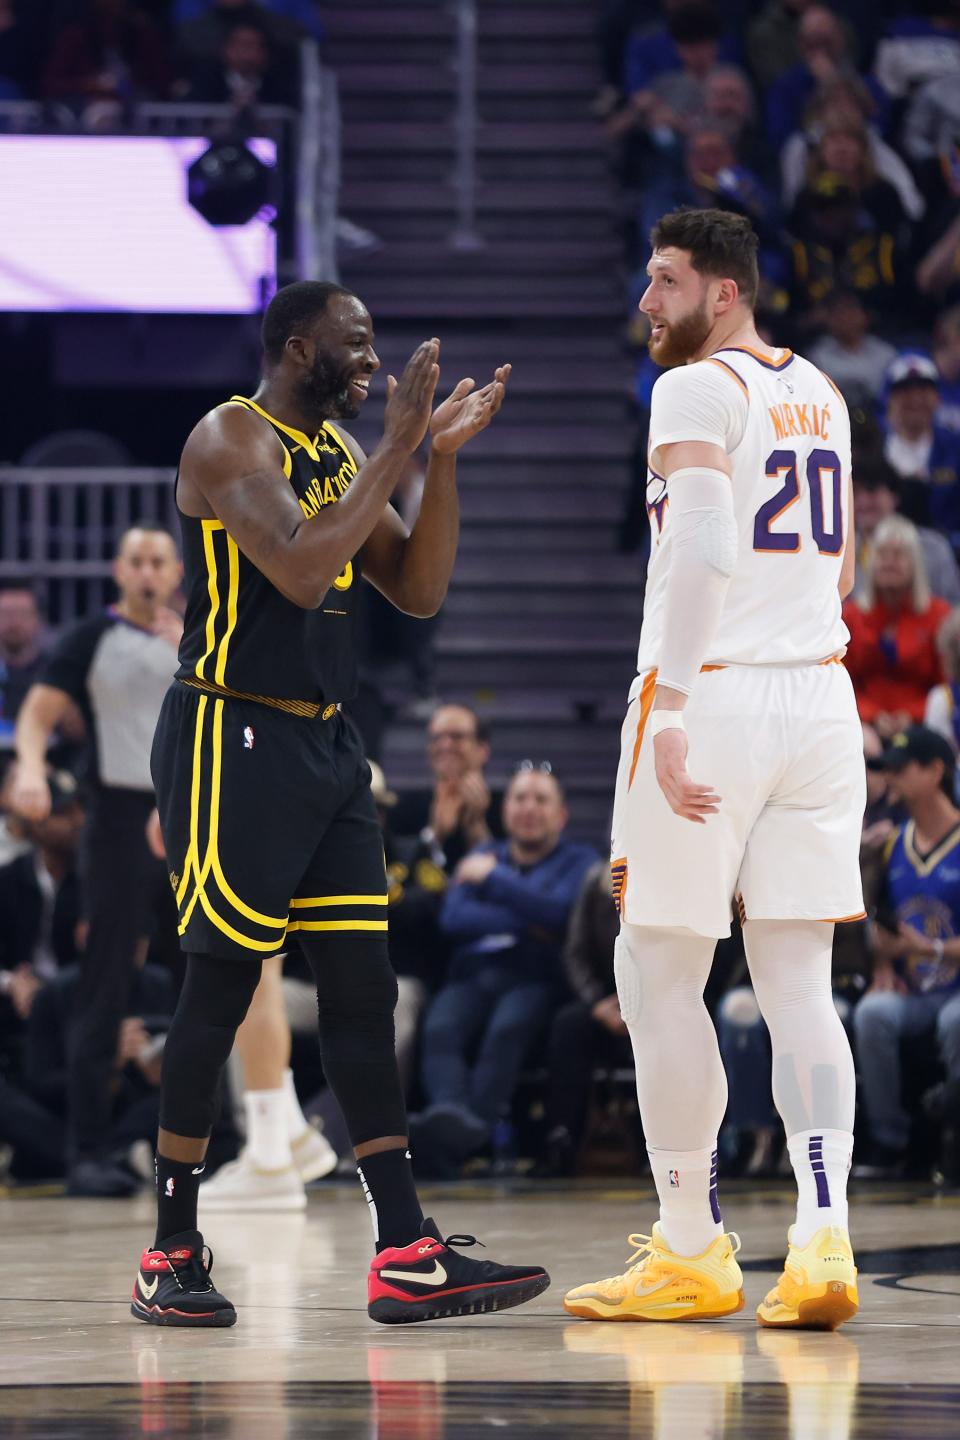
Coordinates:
(387,1180)
(177,1184)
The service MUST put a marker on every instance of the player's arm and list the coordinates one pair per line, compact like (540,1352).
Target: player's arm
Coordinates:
(413,568)
(44,707)
(232,462)
(703,555)
(848,569)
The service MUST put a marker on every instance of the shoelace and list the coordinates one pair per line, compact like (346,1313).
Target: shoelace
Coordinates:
(193,1275)
(462,1241)
(644,1248)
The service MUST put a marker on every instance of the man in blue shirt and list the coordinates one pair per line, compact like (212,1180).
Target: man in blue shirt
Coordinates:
(916,943)
(506,915)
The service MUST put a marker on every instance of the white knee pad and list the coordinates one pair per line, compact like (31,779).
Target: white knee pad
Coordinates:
(626,970)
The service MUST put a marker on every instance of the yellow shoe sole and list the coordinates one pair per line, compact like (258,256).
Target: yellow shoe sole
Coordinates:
(597,1310)
(823,1307)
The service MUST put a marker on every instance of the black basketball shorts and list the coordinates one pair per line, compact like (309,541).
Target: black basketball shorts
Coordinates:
(269,825)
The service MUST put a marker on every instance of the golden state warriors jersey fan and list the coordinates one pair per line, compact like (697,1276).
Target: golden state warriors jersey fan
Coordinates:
(255,854)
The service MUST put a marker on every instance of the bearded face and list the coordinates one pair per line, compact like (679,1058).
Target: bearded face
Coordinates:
(326,391)
(675,341)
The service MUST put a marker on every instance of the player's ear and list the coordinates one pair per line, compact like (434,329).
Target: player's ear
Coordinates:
(300,350)
(728,293)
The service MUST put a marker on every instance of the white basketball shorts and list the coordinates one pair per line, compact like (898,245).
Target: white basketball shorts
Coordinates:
(783,748)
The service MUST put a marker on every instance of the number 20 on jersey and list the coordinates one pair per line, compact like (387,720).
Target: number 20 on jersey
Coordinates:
(822,471)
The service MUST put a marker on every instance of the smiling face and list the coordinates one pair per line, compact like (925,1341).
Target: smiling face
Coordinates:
(340,360)
(534,814)
(677,304)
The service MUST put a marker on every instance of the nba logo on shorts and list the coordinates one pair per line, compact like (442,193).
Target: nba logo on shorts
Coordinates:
(674,1179)
(169,1187)
(248,737)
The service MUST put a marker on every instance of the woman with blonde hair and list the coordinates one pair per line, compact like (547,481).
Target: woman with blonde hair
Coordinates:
(943,702)
(893,658)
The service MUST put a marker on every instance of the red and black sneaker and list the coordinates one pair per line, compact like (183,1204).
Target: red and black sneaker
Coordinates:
(173,1286)
(429,1281)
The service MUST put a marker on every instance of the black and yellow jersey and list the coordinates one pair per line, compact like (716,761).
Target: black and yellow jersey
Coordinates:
(240,635)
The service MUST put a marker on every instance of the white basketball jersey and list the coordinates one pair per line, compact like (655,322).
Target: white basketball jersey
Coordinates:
(786,430)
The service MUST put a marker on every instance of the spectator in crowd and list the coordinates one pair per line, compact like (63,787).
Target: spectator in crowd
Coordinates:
(590,1029)
(924,456)
(117,667)
(109,57)
(459,812)
(39,922)
(846,99)
(32,1117)
(843,151)
(823,44)
(892,659)
(21,654)
(728,100)
(942,713)
(506,914)
(773,39)
(665,71)
(917,48)
(916,973)
(712,176)
(938,245)
(856,361)
(39,891)
(875,498)
(837,246)
(933,119)
(247,72)
(946,355)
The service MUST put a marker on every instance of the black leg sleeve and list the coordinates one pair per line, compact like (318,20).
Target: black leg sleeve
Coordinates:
(356,997)
(215,997)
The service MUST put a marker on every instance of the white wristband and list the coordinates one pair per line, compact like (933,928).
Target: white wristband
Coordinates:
(666,720)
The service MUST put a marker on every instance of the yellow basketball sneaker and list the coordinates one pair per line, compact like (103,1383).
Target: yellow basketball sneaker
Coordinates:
(659,1285)
(818,1287)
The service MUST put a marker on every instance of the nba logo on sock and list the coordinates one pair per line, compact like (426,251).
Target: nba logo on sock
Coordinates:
(674,1179)
(169,1187)
(248,737)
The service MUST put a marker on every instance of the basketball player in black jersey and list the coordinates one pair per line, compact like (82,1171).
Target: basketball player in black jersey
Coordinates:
(269,825)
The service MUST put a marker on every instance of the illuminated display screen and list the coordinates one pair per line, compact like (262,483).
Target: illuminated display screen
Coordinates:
(97,223)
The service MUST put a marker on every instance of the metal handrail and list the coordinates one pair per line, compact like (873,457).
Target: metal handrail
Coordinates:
(466,236)
(59,528)
(318,169)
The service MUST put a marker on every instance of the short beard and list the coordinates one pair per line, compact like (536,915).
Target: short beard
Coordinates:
(324,394)
(681,339)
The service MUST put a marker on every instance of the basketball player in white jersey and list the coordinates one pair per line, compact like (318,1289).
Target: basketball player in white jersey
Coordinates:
(741,780)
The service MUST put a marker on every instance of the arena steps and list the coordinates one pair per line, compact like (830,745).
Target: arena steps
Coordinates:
(540,628)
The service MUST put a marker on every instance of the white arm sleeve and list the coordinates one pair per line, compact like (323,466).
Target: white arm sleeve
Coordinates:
(703,554)
(707,401)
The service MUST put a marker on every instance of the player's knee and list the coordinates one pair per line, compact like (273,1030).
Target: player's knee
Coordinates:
(626,970)
(218,992)
(353,976)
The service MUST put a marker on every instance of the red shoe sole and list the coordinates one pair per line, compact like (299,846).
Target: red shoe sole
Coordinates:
(211,1319)
(481,1301)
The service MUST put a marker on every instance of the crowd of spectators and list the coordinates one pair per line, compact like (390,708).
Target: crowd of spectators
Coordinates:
(90,60)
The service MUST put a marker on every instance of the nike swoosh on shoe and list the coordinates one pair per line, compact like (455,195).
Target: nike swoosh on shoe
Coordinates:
(436,1276)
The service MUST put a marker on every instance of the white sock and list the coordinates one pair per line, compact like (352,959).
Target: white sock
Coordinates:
(821,1163)
(686,1183)
(268,1143)
(296,1120)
